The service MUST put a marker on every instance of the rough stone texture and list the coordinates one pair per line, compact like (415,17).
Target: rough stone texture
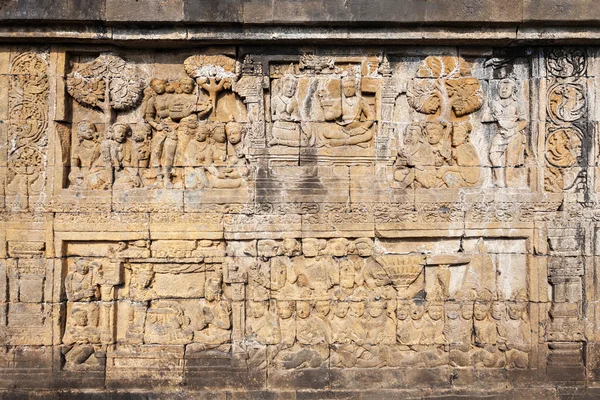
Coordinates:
(294,207)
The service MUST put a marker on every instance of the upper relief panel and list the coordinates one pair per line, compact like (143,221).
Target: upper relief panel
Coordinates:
(210,126)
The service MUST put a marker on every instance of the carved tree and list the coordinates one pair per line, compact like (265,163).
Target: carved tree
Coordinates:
(213,74)
(107,83)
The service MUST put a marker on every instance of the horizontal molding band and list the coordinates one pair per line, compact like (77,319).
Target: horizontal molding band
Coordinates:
(177,36)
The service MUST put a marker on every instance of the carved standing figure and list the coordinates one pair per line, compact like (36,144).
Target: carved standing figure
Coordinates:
(509,144)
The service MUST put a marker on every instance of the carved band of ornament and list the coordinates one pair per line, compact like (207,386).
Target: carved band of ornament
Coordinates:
(28,99)
(566,62)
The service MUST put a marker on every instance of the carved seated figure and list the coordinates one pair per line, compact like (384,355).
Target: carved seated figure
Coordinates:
(86,164)
(354,119)
(82,340)
(458,332)
(80,284)
(284,106)
(220,156)
(259,323)
(517,331)
(486,337)
(312,337)
(347,334)
(465,167)
(214,327)
(426,149)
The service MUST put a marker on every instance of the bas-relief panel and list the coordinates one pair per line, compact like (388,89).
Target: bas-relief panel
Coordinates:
(220,219)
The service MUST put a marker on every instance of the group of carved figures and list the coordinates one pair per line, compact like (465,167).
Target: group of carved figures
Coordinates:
(306,303)
(197,124)
(177,146)
(438,152)
(379,333)
(347,117)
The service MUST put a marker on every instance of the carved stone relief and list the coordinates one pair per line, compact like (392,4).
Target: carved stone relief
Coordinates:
(251,219)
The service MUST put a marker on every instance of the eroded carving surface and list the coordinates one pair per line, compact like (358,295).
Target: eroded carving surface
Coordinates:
(283,220)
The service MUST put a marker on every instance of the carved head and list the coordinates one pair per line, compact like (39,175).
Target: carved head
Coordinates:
(289,83)
(312,246)
(82,266)
(453,310)
(498,310)
(158,85)
(515,310)
(466,311)
(461,132)
(302,280)
(285,309)
(402,310)
(120,132)
(234,131)
(349,85)
(322,307)
(186,85)
(480,311)
(412,136)
(212,289)
(357,309)
(435,311)
(338,247)
(341,309)
(145,274)
(506,88)
(347,274)
(267,248)
(434,131)
(202,133)
(364,247)
(142,133)
(417,310)
(290,247)
(171,87)
(86,131)
(303,309)
(80,317)
(376,308)
(218,134)
(257,308)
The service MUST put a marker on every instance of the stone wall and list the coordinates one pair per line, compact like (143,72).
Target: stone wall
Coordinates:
(299,221)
